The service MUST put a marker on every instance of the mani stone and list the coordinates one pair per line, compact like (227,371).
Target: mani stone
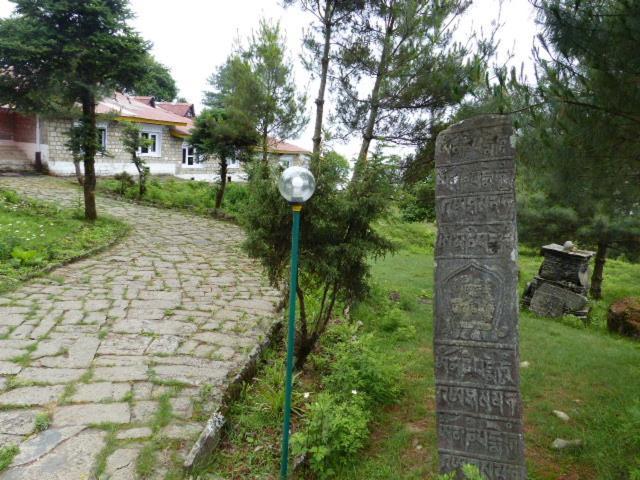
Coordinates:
(562,282)
(478,404)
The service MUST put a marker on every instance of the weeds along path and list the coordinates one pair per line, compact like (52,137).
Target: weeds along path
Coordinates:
(110,366)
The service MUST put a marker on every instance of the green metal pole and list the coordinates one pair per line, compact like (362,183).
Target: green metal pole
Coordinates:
(291,338)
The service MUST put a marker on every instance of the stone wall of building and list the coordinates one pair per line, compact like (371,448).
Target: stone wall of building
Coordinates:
(115,159)
(56,131)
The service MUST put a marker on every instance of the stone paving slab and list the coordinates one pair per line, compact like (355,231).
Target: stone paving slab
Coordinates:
(130,348)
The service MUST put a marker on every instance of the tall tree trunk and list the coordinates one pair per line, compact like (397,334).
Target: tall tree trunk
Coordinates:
(317,130)
(142,176)
(89,148)
(598,270)
(381,72)
(223,183)
(263,170)
(79,176)
(265,147)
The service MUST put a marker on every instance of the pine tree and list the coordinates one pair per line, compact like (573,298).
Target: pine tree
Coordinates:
(585,142)
(405,49)
(258,79)
(56,53)
(226,134)
(280,107)
(331,16)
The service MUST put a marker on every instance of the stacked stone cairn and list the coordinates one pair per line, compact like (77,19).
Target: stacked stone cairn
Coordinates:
(562,283)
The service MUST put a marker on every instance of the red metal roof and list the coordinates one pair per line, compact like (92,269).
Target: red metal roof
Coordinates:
(183,130)
(141,109)
(146,100)
(284,147)
(178,108)
(129,108)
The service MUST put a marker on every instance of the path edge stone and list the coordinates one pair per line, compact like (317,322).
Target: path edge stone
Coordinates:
(213,430)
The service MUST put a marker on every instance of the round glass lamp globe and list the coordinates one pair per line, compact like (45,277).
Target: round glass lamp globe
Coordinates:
(296,184)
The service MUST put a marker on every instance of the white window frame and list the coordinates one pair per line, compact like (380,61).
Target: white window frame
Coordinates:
(285,161)
(185,156)
(104,137)
(157,132)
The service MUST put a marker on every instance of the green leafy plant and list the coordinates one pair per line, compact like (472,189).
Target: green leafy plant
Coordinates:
(417,202)
(10,196)
(43,421)
(126,182)
(7,453)
(358,368)
(26,257)
(334,430)
(8,244)
(235,198)
(469,472)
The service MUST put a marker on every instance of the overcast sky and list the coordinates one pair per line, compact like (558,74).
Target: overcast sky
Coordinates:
(193,37)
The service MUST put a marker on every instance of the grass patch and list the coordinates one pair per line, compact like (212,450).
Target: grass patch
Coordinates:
(174,193)
(164,413)
(108,449)
(23,360)
(7,453)
(86,376)
(43,421)
(147,460)
(69,391)
(35,237)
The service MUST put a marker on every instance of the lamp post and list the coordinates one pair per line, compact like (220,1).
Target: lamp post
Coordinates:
(296,185)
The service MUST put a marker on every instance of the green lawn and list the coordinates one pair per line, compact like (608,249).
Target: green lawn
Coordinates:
(581,370)
(170,192)
(35,236)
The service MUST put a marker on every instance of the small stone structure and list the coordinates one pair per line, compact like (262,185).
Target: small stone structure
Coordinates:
(478,405)
(562,282)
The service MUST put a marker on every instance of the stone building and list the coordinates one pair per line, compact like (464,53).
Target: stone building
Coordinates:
(26,140)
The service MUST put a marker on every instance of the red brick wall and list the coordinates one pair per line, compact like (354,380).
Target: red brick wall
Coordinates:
(16,127)
(25,129)
(6,125)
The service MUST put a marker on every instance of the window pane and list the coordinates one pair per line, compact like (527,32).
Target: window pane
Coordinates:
(102,138)
(154,139)
(144,136)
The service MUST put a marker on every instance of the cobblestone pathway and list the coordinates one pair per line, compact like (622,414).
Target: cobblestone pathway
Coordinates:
(127,352)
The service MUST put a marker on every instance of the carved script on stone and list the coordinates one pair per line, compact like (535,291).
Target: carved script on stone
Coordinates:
(479,410)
